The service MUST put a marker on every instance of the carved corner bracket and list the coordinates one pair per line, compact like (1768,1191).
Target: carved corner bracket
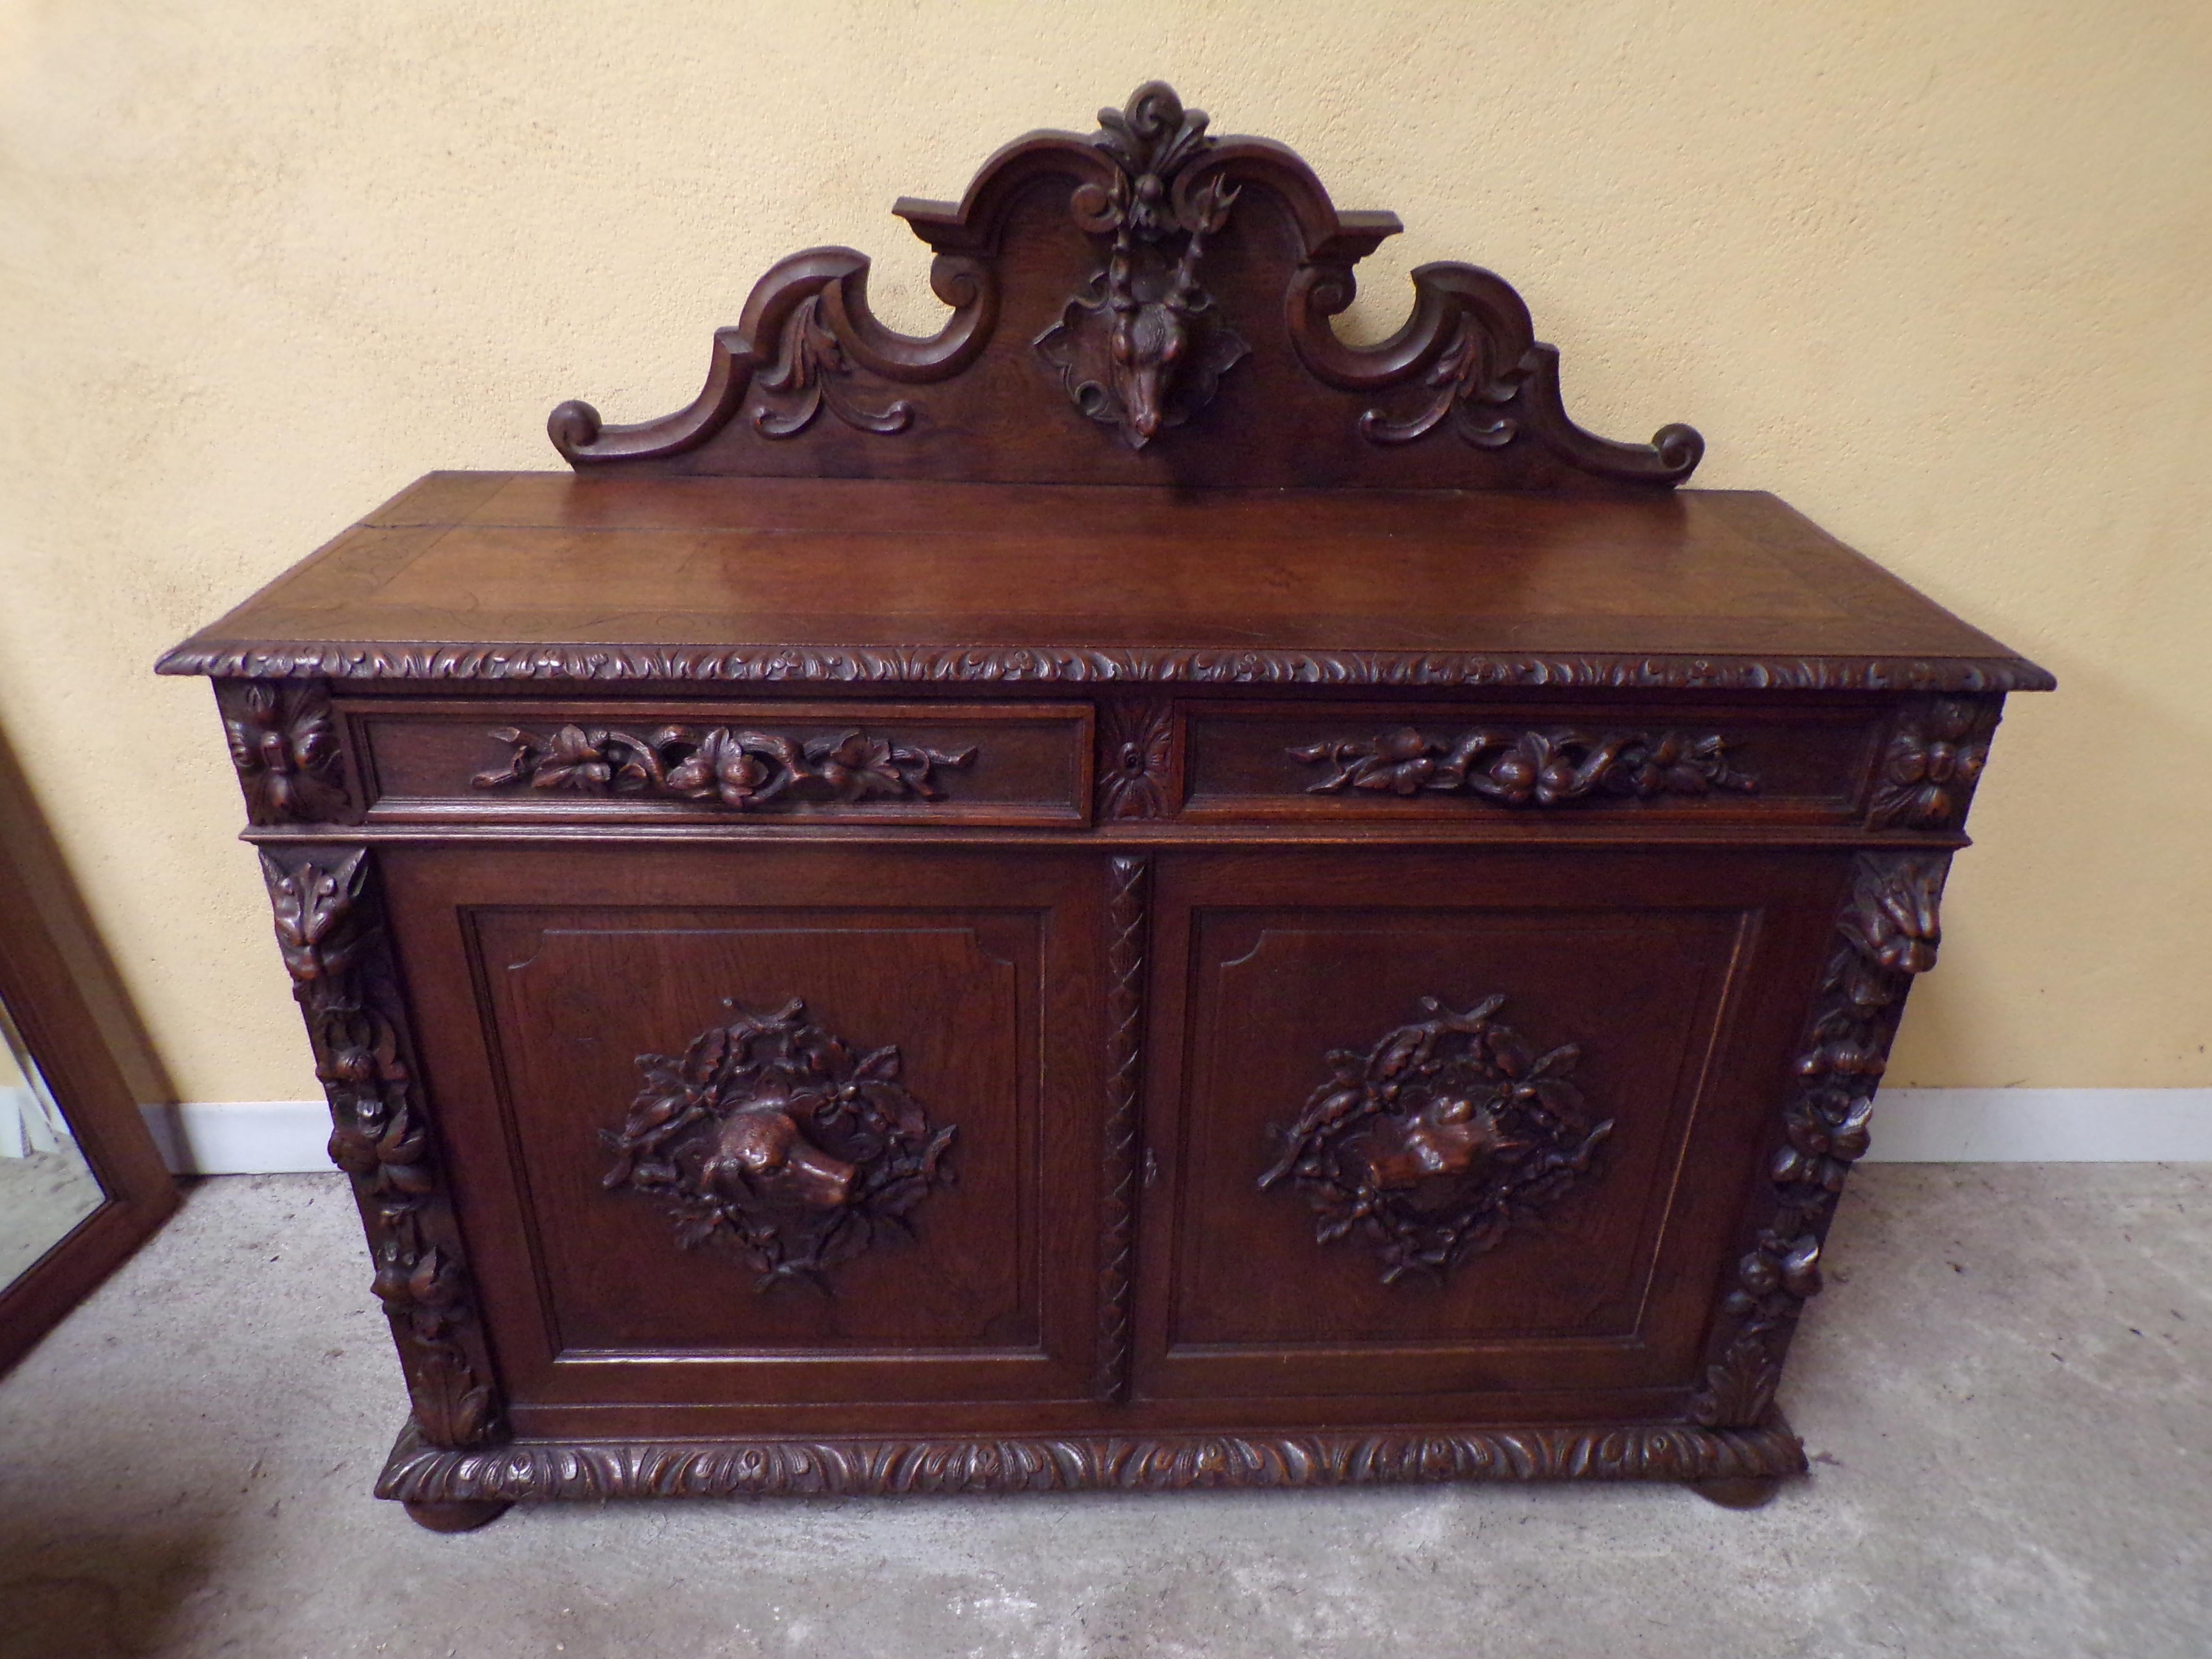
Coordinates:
(744,771)
(1142,346)
(1934,758)
(774,1138)
(1436,1141)
(1886,935)
(1529,768)
(330,930)
(284,746)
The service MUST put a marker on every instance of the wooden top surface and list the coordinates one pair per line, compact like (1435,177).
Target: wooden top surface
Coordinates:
(550,576)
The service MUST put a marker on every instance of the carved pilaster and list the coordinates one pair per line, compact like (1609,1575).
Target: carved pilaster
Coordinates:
(1886,934)
(1128,880)
(284,744)
(330,929)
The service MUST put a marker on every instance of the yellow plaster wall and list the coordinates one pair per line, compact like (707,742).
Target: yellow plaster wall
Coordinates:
(1937,271)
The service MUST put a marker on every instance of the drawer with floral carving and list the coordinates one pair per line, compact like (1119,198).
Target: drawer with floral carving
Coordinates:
(1023,763)
(1474,762)
(1126,895)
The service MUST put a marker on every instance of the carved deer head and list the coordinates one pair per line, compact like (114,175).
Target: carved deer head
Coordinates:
(1152,337)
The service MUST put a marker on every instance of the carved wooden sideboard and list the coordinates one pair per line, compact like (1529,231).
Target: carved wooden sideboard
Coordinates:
(1126,896)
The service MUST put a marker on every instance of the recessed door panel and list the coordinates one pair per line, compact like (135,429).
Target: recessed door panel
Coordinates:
(768,1125)
(1441,1121)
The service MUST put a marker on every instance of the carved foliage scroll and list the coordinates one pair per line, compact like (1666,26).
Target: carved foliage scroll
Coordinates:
(329,933)
(774,1138)
(283,742)
(1434,1142)
(741,771)
(1886,934)
(1143,346)
(1529,768)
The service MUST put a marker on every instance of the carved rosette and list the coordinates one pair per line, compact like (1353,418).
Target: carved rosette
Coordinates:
(744,771)
(1136,756)
(1433,1143)
(1934,758)
(1886,935)
(1142,347)
(1529,768)
(283,742)
(331,935)
(773,1137)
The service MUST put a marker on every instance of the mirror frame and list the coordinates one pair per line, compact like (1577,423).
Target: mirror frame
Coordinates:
(62,994)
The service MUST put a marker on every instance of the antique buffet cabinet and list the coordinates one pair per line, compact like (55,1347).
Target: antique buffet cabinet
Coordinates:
(1129,894)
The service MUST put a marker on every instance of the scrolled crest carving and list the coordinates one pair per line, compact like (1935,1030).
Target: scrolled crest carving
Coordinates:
(1887,933)
(1147,342)
(1433,1143)
(771,1137)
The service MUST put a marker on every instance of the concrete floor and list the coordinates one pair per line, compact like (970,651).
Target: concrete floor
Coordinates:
(2007,1390)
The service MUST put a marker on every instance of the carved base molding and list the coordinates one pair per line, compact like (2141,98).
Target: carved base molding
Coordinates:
(591,1471)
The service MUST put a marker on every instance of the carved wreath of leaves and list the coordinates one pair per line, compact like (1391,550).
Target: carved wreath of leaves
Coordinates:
(1522,1125)
(847,1108)
(744,770)
(1529,768)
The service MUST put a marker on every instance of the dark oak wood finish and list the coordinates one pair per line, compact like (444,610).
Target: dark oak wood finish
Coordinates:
(62,991)
(1126,895)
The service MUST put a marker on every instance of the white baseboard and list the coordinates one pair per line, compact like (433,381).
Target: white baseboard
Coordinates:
(242,1137)
(1910,1125)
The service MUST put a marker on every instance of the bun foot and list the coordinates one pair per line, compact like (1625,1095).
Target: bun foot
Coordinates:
(463,1515)
(1740,1491)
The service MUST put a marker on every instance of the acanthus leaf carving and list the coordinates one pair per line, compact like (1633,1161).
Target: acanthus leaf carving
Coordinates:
(1142,348)
(807,378)
(1434,1142)
(1887,933)
(772,1136)
(284,746)
(334,948)
(741,771)
(1529,768)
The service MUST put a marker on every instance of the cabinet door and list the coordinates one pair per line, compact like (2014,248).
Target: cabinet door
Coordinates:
(1460,1124)
(737,1128)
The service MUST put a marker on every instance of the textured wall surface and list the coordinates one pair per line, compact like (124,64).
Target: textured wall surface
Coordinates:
(1935,272)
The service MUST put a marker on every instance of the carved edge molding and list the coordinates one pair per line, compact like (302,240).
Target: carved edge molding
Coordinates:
(741,771)
(330,930)
(540,1470)
(1934,758)
(1886,934)
(776,665)
(1529,768)
(1127,921)
(1136,759)
(284,746)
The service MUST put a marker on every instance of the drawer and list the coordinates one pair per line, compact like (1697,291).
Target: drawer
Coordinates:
(1375,760)
(999,763)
